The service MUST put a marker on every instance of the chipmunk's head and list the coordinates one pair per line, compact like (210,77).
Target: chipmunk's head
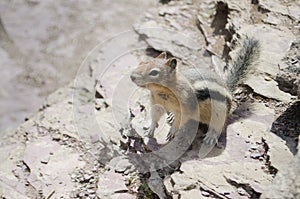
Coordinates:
(159,70)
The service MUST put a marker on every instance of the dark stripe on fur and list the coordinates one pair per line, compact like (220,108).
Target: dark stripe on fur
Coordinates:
(205,94)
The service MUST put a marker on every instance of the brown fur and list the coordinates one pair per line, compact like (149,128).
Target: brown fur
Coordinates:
(176,94)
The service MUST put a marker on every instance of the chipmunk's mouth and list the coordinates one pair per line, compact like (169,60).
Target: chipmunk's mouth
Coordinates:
(140,84)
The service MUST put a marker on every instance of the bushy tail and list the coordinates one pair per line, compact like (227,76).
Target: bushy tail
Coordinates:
(246,55)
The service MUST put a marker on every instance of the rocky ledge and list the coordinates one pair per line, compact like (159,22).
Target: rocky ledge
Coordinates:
(84,144)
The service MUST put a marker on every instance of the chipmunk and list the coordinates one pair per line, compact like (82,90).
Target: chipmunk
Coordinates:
(192,93)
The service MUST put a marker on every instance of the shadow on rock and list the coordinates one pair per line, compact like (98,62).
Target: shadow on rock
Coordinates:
(148,154)
(287,126)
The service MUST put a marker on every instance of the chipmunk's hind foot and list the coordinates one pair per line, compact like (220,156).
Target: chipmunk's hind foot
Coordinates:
(211,138)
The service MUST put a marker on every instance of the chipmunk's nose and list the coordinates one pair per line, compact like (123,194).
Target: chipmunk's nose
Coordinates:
(133,76)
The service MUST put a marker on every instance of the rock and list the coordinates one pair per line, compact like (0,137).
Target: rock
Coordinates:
(219,65)
(121,195)
(277,7)
(90,191)
(168,10)
(261,119)
(83,155)
(250,183)
(158,35)
(287,125)
(293,11)
(56,137)
(155,183)
(289,77)
(256,155)
(170,37)
(267,89)
(183,182)
(191,194)
(110,184)
(168,184)
(45,159)
(277,50)
(230,170)
(120,164)
(286,183)
(54,174)
(242,192)
(279,153)
(205,193)
(271,19)
(7,191)
(12,169)
(87,177)
(190,170)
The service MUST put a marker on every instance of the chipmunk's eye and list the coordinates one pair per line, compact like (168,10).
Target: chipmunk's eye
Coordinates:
(154,72)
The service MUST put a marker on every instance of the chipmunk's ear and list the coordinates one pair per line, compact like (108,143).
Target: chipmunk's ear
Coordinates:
(162,55)
(172,63)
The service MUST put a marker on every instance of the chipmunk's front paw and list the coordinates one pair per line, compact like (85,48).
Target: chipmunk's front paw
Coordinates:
(171,133)
(210,139)
(150,131)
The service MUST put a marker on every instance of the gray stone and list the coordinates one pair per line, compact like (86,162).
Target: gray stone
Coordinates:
(168,184)
(293,10)
(279,153)
(271,19)
(277,50)
(58,151)
(183,182)
(109,183)
(191,194)
(230,168)
(289,82)
(168,10)
(7,191)
(267,89)
(278,7)
(56,173)
(219,65)
(286,183)
(155,183)
(120,164)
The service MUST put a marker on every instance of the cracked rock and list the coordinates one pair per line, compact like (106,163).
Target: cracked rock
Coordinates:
(268,89)
(112,185)
(121,164)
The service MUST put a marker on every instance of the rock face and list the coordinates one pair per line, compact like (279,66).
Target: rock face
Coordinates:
(289,78)
(87,140)
(43,51)
(286,183)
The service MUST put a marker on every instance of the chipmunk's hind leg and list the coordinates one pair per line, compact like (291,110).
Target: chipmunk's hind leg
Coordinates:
(219,113)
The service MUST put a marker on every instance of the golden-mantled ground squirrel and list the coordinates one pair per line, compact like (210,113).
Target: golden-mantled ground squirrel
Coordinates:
(192,93)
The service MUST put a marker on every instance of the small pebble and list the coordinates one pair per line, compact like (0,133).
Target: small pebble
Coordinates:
(56,137)
(90,191)
(205,193)
(241,191)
